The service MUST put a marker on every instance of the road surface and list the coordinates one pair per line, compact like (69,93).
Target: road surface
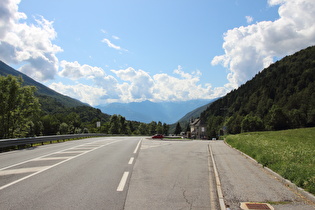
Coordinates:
(84,174)
(244,181)
(135,173)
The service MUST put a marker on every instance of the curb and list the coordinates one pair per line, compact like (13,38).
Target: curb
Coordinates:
(217,180)
(284,181)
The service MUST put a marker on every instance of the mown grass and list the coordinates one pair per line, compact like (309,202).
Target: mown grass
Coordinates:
(290,153)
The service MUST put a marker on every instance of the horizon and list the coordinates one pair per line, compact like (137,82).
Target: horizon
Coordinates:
(122,51)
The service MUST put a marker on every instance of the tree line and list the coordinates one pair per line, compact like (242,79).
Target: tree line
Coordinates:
(25,113)
(281,96)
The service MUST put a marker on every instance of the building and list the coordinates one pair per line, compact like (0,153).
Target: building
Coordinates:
(197,129)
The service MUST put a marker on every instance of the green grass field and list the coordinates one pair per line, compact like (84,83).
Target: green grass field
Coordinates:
(290,153)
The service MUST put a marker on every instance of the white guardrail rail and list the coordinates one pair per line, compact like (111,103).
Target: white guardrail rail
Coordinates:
(5,143)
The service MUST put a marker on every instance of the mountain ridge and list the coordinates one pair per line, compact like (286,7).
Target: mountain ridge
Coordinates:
(279,97)
(42,90)
(166,112)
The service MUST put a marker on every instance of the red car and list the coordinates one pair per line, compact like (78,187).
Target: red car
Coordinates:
(158,136)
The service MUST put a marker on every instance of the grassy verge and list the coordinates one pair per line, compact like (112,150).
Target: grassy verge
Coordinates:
(290,153)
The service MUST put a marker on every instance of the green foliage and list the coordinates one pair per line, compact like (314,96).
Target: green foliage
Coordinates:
(251,123)
(21,116)
(291,153)
(18,108)
(178,129)
(282,96)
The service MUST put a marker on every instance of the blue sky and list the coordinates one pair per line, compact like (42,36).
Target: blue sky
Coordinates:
(104,51)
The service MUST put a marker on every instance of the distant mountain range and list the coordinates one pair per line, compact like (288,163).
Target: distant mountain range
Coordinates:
(147,111)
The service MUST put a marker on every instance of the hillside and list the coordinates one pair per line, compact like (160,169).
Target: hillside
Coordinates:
(53,102)
(281,96)
(184,121)
(42,90)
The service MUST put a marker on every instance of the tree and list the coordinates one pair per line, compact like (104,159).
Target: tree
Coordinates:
(50,125)
(178,129)
(252,123)
(165,128)
(152,128)
(143,129)
(278,119)
(159,128)
(17,108)
(114,125)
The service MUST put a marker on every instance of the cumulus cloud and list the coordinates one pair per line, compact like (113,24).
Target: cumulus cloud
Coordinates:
(134,85)
(28,43)
(171,88)
(139,87)
(74,70)
(85,93)
(252,48)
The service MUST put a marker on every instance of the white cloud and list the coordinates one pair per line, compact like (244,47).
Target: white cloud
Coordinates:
(28,43)
(111,45)
(74,70)
(249,19)
(139,87)
(135,86)
(84,93)
(252,48)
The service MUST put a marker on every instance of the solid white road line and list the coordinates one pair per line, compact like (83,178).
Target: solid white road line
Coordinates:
(123,181)
(137,147)
(131,160)
(217,179)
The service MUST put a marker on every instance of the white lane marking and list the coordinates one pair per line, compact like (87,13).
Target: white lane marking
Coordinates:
(131,160)
(217,179)
(21,170)
(49,167)
(123,181)
(74,151)
(38,158)
(137,147)
(52,158)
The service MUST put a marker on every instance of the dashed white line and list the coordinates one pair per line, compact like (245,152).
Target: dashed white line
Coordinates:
(137,147)
(131,160)
(123,181)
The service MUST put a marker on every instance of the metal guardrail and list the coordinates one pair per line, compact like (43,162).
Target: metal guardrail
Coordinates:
(4,143)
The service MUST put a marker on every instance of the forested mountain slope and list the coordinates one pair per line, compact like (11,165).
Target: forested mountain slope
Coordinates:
(57,108)
(281,96)
(42,90)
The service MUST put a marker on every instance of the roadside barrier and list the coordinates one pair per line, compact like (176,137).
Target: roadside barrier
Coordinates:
(19,142)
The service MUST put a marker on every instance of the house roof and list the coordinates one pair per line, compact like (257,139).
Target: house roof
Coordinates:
(196,122)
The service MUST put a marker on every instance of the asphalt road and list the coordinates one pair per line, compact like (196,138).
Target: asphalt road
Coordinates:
(84,174)
(135,173)
(170,175)
(244,181)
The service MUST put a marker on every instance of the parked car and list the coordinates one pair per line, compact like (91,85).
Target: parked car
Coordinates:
(158,136)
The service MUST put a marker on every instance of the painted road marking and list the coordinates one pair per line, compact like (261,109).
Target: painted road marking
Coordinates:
(49,167)
(131,160)
(123,181)
(21,170)
(137,147)
(52,158)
